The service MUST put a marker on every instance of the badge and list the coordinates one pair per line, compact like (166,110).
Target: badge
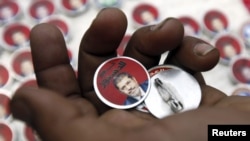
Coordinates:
(22,64)
(74,7)
(41,9)
(15,35)
(246,4)
(240,70)
(241,90)
(121,82)
(5,76)
(29,81)
(172,91)
(215,22)
(9,11)
(108,3)
(30,134)
(6,132)
(191,26)
(145,14)
(229,47)
(5,96)
(245,33)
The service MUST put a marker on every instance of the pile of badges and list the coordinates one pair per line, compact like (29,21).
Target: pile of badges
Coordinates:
(124,83)
(234,46)
(16,69)
(160,94)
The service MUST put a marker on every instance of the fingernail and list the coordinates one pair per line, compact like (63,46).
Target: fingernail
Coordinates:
(202,49)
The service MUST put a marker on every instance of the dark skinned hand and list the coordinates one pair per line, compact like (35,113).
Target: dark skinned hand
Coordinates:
(66,108)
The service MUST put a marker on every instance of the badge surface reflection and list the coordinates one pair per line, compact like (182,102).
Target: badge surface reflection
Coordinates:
(172,91)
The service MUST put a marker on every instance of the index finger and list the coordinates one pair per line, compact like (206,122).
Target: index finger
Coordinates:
(51,62)
(99,44)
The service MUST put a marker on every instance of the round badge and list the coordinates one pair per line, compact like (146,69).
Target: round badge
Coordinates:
(215,22)
(108,3)
(145,14)
(122,82)
(191,27)
(241,90)
(41,9)
(240,70)
(172,91)
(15,35)
(61,23)
(9,11)
(5,96)
(123,45)
(5,77)
(22,64)
(30,134)
(6,132)
(29,82)
(245,33)
(229,47)
(74,7)
(246,4)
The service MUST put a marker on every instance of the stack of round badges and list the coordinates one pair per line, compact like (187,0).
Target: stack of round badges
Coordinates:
(124,83)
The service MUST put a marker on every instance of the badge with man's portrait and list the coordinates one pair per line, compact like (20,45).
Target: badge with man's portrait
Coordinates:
(122,82)
(22,64)
(9,11)
(215,21)
(74,7)
(41,9)
(145,14)
(229,47)
(16,35)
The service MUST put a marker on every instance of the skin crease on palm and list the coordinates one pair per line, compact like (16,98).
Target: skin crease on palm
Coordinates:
(65,107)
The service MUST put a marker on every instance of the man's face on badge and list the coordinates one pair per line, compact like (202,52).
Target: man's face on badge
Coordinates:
(129,86)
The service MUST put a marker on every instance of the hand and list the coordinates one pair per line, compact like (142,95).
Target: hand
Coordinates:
(66,108)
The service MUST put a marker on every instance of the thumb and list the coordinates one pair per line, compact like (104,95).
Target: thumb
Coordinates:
(45,111)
